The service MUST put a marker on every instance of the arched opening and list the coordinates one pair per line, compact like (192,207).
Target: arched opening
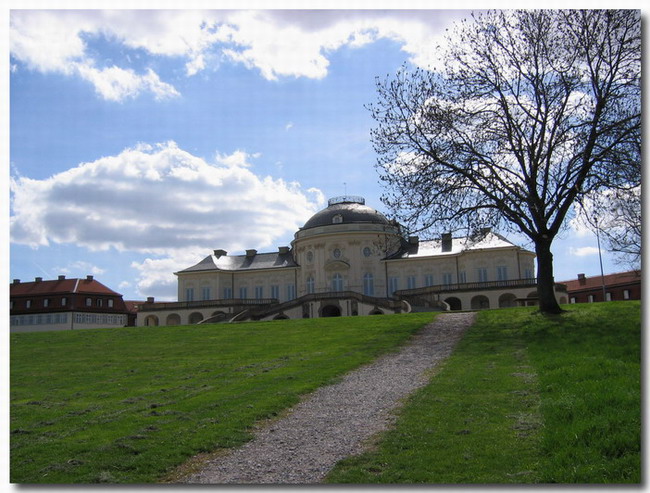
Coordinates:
(376,311)
(195,318)
(454,303)
(173,319)
(507,300)
(330,311)
(480,303)
(151,321)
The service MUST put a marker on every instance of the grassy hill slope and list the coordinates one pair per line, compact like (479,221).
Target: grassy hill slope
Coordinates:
(127,405)
(524,399)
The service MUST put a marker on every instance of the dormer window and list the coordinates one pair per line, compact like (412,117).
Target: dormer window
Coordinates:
(337,219)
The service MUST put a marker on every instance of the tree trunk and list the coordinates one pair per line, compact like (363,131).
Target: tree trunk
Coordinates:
(545,280)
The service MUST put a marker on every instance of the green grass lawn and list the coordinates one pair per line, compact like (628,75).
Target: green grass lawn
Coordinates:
(524,398)
(128,405)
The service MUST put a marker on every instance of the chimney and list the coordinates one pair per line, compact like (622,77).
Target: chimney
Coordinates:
(220,253)
(414,240)
(251,253)
(283,250)
(446,242)
(38,279)
(61,278)
(89,278)
(16,281)
(582,279)
(150,299)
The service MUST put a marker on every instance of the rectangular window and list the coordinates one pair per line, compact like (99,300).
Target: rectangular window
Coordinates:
(259,292)
(110,303)
(28,304)
(446,278)
(608,296)
(99,303)
(205,293)
(227,293)
(590,298)
(64,301)
(528,274)
(462,277)
(502,273)
(481,274)
(626,294)
(410,282)
(243,292)
(46,302)
(189,294)
(573,300)
(275,291)
(291,292)
(89,302)
(368,285)
(393,284)
(428,280)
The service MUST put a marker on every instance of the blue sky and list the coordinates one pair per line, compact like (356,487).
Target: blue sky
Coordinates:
(140,141)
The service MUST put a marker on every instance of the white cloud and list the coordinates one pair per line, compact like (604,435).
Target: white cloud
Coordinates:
(159,200)
(277,43)
(162,202)
(117,84)
(583,251)
(156,276)
(80,268)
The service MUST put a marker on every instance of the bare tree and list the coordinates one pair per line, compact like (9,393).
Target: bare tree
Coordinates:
(615,214)
(534,110)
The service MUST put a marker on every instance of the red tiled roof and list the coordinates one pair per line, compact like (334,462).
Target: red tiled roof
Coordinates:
(132,306)
(597,281)
(60,286)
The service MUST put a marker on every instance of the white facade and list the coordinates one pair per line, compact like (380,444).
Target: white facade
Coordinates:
(349,259)
(65,321)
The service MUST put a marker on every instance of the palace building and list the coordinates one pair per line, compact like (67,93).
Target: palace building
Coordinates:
(349,259)
(66,304)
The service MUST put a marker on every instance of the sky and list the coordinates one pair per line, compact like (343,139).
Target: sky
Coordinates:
(142,140)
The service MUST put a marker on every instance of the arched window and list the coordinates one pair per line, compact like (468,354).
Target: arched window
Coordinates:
(368,284)
(337,282)
(310,285)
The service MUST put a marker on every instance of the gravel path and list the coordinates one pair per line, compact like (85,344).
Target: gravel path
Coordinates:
(334,421)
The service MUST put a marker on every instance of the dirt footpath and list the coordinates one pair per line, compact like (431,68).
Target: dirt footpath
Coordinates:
(334,421)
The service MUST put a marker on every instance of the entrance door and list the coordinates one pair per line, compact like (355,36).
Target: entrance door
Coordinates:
(330,311)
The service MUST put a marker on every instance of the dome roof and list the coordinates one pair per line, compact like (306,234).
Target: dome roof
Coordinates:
(346,210)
